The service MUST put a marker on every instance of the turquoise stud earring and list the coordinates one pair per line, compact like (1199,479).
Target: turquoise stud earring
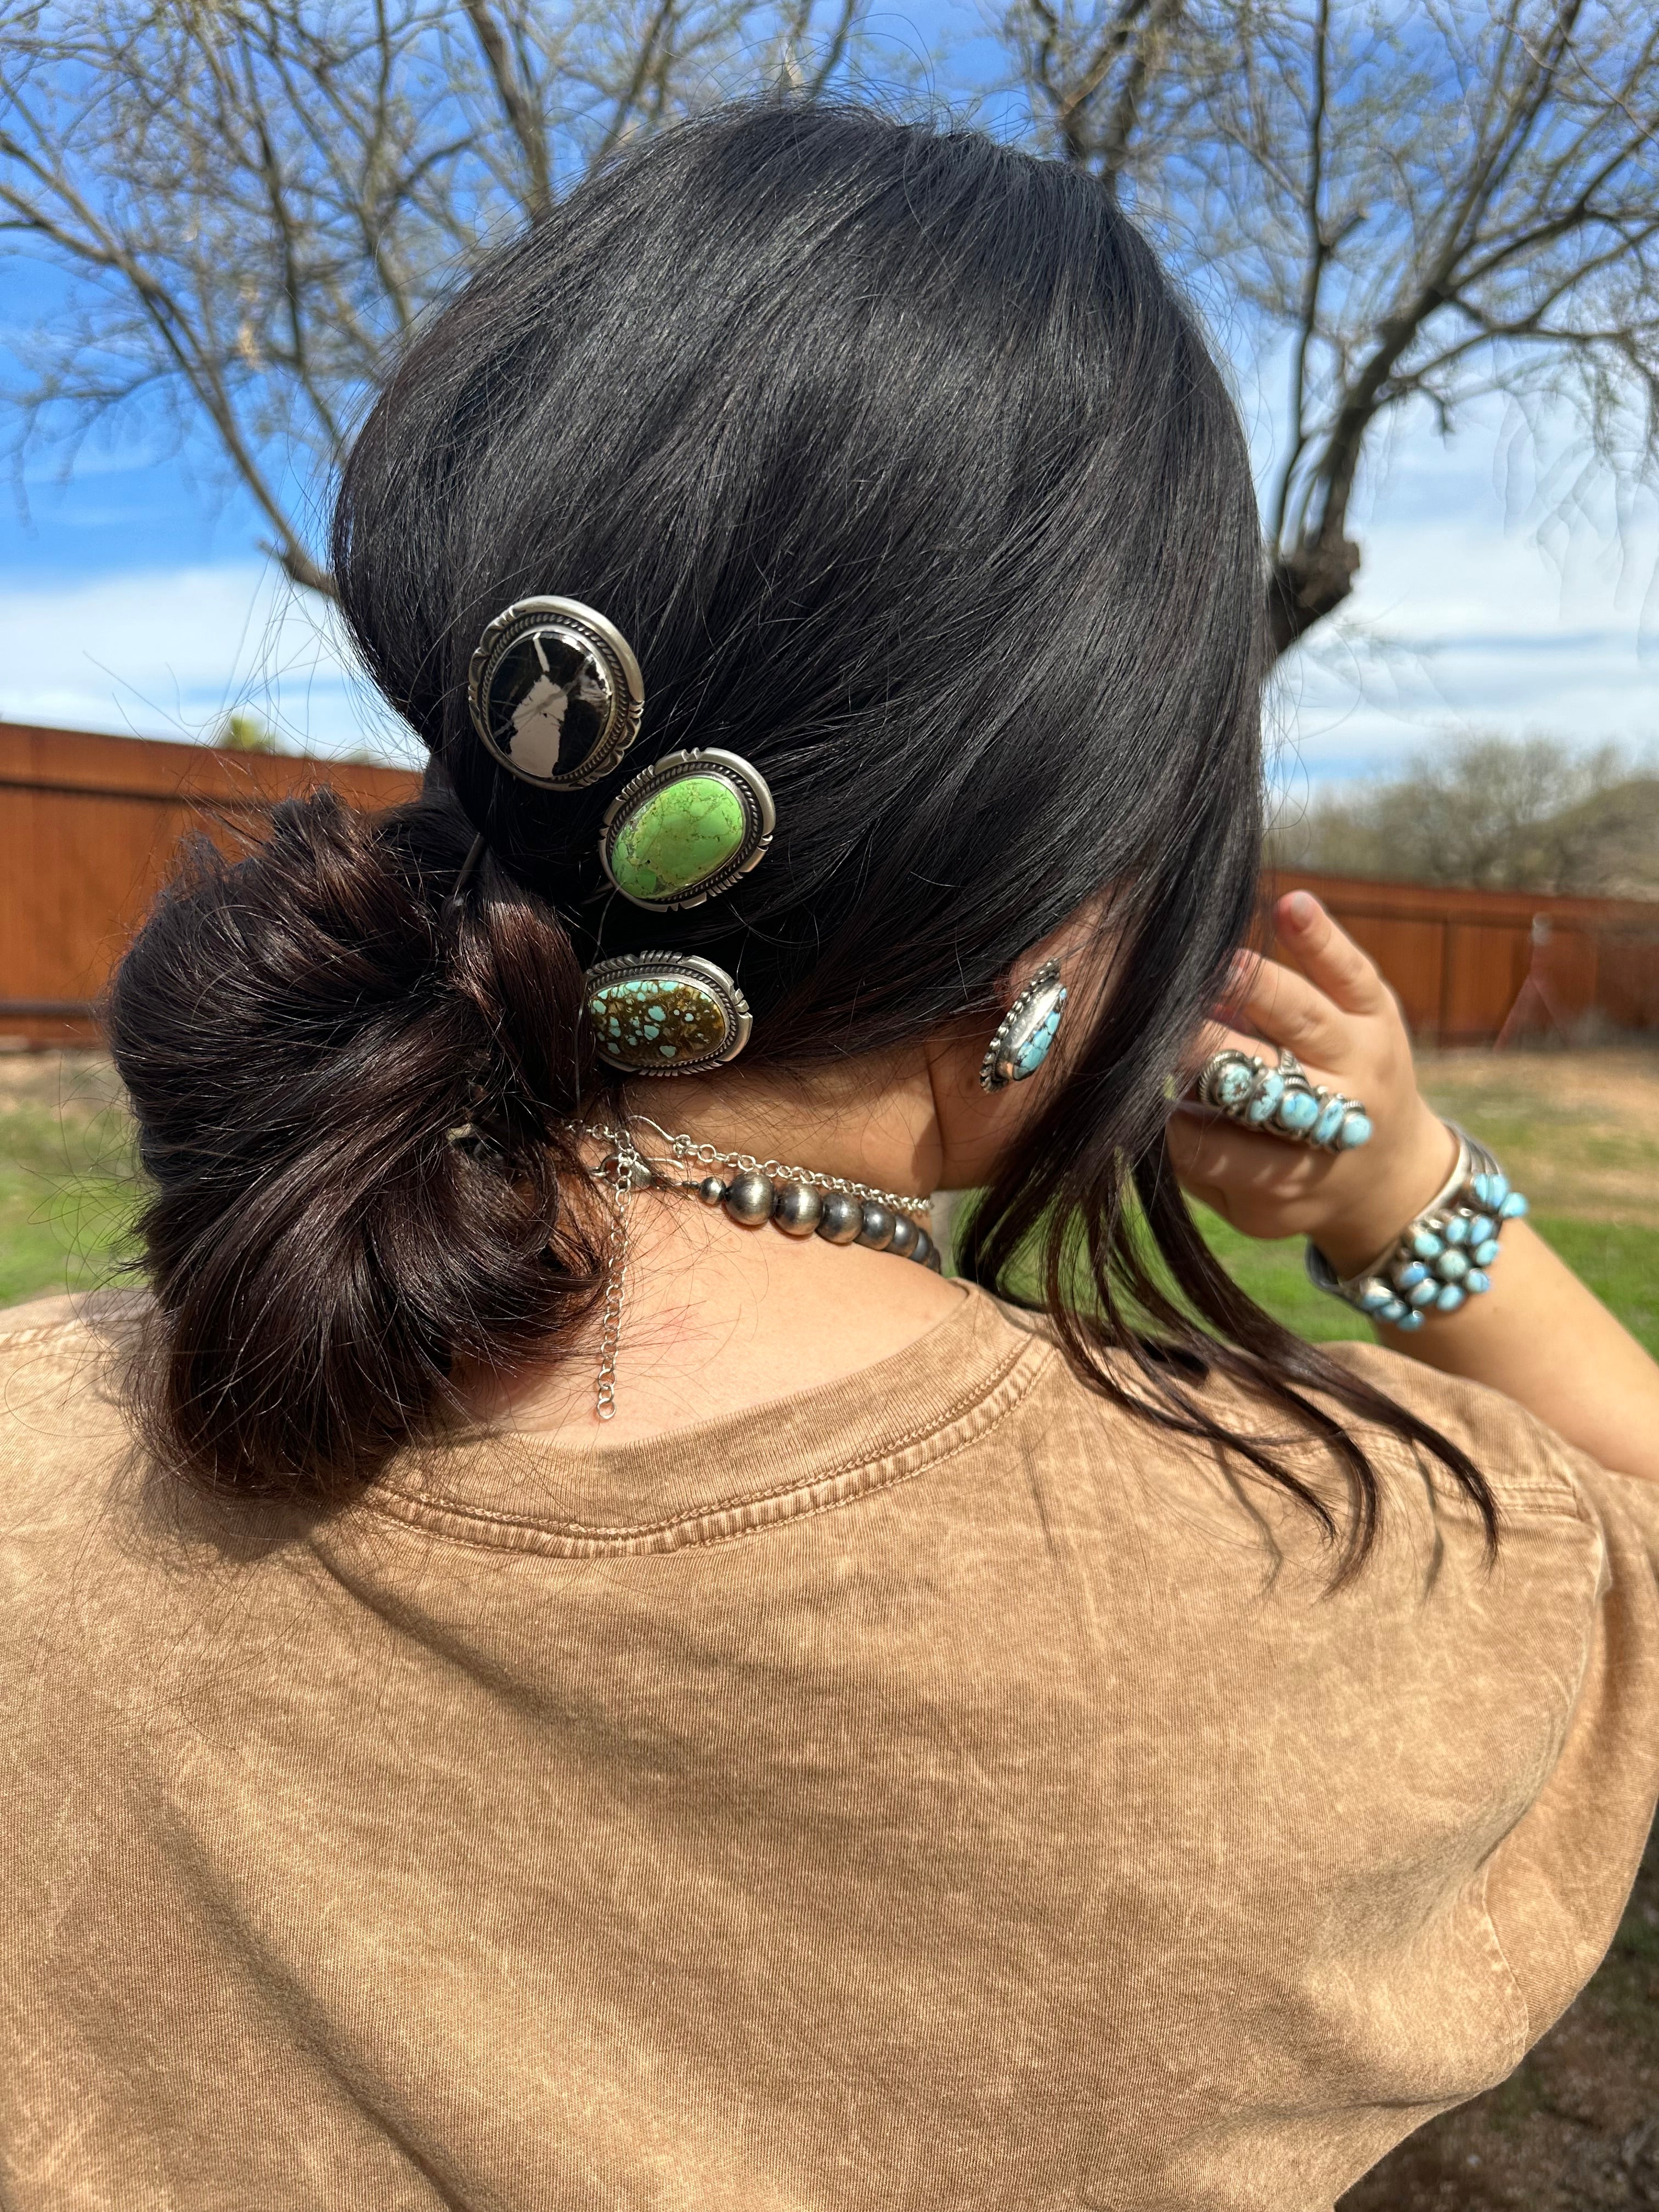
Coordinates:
(1020,1043)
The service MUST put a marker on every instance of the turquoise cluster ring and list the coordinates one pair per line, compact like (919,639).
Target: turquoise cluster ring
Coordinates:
(1442,1257)
(1281,1101)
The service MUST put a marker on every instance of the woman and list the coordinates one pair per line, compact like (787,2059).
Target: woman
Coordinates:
(528,1686)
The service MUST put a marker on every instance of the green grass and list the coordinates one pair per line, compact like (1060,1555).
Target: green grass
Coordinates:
(1274,1276)
(67,1194)
(1619,1263)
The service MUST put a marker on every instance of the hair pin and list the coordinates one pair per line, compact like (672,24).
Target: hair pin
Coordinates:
(686,828)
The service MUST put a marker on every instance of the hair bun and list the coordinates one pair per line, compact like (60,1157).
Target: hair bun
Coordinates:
(356,1104)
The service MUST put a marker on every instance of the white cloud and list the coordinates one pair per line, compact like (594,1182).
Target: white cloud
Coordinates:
(168,653)
(1482,603)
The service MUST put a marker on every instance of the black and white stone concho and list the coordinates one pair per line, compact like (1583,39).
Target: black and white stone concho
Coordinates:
(555,692)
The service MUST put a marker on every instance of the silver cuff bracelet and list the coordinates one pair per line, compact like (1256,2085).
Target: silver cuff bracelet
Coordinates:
(1442,1257)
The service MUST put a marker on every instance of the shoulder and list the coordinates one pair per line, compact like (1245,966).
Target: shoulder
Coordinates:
(1524,1460)
(54,1332)
(62,1423)
(1575,1524)
(1530,1469)
(1570,1632)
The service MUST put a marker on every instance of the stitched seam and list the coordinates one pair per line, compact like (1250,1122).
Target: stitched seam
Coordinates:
(743,1502)
(442,1519)
(41,1329)
(957,1410)
(1541,1490)
(435,1521)
(1490,1927)
(1588,1518)
(1533,1504)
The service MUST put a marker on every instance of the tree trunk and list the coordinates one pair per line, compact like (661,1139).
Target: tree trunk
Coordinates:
(1306,585)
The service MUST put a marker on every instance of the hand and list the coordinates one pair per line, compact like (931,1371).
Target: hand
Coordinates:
(1326,1004)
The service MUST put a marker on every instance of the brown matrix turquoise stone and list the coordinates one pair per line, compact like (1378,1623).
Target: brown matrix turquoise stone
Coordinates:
(678,838)
(644,1021)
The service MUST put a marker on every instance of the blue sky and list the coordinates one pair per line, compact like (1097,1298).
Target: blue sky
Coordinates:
(133,597)
(1478,609)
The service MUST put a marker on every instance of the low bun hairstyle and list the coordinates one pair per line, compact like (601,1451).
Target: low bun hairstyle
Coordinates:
(353,1095)
(895,457)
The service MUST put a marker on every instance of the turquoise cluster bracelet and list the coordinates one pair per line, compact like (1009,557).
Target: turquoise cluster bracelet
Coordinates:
(1442,1257)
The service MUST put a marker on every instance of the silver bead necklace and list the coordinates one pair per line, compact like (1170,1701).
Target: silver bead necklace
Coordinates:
(799,1201)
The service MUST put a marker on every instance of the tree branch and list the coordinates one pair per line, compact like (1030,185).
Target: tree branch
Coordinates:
(836,53)
(525,124)
(1307,321)
(657,33)
(1070,102)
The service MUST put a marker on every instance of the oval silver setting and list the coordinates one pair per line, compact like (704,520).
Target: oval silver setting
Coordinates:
(740,776)
(1043,995)
(555,692)
(700,975)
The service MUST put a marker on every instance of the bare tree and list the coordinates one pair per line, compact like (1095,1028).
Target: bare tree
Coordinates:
(245,202)
(1101,79)
(1415,202)
(1497,813)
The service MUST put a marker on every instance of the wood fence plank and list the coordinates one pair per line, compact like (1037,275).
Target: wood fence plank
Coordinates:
(89,826)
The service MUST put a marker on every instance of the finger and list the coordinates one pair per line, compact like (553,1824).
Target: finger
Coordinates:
(1217,1036)
(1327,956)
(1289,1010)
(1192,1162)
(1217,1154)
(1214,1037)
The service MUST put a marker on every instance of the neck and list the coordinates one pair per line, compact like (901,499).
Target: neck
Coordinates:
(717,1316)
(868,1121)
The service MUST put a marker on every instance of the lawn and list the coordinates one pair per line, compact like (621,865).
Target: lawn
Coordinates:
(1618,1259)
(1578,1132)
(67,1188)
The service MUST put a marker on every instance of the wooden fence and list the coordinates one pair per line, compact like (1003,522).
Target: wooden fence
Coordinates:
(1471,967)
(88,826)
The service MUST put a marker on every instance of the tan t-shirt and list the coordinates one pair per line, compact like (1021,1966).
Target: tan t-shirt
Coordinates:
(919,1794)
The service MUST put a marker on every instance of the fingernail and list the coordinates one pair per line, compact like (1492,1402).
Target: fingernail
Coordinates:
(1301,908)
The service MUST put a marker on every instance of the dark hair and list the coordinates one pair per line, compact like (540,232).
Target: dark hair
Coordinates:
(909,478)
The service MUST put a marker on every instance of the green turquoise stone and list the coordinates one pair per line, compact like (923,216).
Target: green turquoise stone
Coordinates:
(652,1021)
(678,837)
